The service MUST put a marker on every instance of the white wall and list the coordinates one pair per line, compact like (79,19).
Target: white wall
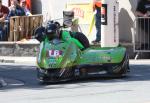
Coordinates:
(126,19)
(5,2)
(54,8)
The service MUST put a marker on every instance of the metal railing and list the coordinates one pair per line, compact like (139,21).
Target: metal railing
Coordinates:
(141,37)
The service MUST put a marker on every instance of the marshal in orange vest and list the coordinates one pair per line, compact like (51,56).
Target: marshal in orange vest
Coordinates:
(28,4)
(97,3)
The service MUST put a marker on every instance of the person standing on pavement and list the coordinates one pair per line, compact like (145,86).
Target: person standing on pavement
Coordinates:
(97,8)
(3,14)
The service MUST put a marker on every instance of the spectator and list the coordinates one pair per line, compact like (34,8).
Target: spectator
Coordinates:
(24,6)
(143,10)
(97,7)
(15,9)
(3,14)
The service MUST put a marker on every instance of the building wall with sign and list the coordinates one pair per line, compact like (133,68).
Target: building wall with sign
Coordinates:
(52,9)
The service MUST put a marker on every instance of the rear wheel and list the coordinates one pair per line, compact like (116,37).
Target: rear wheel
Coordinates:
(120,69)
(82,39)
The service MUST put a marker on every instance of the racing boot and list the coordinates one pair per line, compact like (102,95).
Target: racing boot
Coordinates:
(96,42)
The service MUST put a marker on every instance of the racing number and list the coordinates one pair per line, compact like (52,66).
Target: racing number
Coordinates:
(55,53)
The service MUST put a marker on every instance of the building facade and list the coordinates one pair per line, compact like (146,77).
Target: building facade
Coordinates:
(52,9)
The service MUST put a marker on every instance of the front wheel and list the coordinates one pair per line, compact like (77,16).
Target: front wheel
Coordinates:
(41,75)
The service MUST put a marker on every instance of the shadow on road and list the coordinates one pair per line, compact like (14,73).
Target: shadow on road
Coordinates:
(24,77)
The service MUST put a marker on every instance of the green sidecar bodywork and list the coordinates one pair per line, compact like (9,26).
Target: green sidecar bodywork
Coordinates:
(60,60)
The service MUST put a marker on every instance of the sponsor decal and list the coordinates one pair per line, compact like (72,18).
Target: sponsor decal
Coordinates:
(83,11)
(104,14)
(115,31)
(55,53)
(52,65)
(78,12)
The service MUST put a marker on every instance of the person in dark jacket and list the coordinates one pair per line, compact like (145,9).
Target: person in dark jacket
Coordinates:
(3,15)
(15,9)
(143,14)
(3,12)
(24,6)
(143,10)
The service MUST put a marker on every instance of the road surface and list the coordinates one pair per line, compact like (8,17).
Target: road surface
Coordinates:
(21,86)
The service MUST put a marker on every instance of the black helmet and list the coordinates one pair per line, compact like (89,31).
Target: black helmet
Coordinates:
(51,30)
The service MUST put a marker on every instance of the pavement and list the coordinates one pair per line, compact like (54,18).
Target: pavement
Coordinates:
(18,60)
(32,60)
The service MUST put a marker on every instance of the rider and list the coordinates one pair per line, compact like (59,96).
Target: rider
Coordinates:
(53,31)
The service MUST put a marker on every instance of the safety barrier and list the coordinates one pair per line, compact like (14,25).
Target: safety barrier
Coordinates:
(23,26)
(141,37)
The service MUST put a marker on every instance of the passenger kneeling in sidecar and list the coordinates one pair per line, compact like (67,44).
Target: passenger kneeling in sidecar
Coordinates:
(52,31)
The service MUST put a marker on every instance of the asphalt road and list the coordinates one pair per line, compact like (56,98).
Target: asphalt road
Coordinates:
(22,86)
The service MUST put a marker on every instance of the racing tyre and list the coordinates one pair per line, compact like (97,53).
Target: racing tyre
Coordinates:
(121,69)
(82,38)
(41,76)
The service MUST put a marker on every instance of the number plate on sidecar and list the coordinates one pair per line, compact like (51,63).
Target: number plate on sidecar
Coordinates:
(54,53)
